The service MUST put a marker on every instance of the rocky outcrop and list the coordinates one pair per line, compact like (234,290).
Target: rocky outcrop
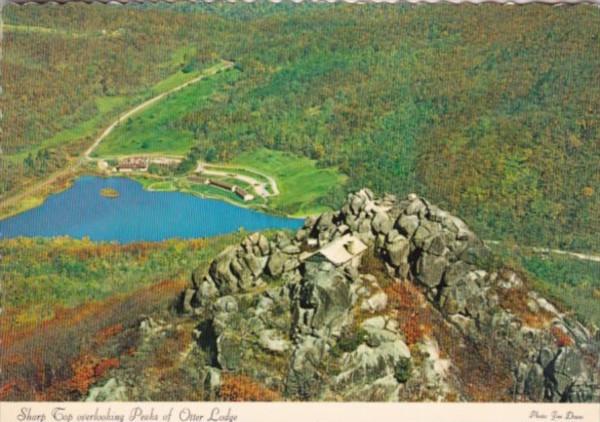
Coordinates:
(379,365)
(279,296)
(110,391)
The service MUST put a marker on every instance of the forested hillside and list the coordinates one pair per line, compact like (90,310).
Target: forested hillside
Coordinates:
(67,71)
(491,111)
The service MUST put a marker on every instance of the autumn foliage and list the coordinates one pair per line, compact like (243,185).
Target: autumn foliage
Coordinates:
(410,310)
(43,369)
(87,369)
(561,338)
(243,388)
(7,388)
(516,301)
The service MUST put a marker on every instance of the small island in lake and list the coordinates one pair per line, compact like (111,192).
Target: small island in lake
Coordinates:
(109,193)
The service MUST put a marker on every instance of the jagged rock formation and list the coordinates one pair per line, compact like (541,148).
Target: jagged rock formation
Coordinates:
(303,315)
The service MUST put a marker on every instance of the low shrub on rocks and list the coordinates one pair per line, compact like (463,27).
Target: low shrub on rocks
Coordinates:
(243,388)
(403,370)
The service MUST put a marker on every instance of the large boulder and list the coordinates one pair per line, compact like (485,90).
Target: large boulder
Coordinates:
(564,372)
(302,318)
(429,270)
(322,301)
(397,249)
(376,358)
(303,379)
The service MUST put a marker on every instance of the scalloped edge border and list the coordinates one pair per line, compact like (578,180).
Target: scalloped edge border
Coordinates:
(454,2)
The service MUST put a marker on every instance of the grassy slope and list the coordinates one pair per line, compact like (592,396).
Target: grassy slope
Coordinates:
(570,281)
(41,275)
(108,108)
(303,186)
(106,60)
(156,129)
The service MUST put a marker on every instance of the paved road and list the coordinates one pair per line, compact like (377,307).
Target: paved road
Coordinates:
(8,202)
(578,255)
(209,72)
(259,187)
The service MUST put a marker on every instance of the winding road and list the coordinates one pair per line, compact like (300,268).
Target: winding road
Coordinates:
(86,156)
(208,72)
(545,251)
(259,187)
(224,65)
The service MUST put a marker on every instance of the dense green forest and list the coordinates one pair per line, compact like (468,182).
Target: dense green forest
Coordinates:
(491,111)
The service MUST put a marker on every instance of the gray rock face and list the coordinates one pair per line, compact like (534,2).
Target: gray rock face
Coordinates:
(559,375)
(535,383)
(239,269)
(110,391)
(373,363)
(303,379)
(273,341)
(228,352)
(382,223)
(398,248)
(303,314)
(564,371)
(408,224)
(430,270)
(276,263)
(376,303)
(322,301)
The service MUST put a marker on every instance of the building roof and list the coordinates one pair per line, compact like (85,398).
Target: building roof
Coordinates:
(342,249)
(221,184)
(133,162)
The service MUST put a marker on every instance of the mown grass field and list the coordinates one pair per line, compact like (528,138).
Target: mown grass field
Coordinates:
(303,186)
(156,129)
(185,185)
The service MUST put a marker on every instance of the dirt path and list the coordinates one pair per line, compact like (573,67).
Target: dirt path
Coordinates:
(69,170)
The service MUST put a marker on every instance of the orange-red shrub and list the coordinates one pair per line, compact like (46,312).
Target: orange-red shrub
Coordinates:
(106,333)
(105,365)
(561,338)
(83,373)
(7,388)
(408,304)
(243,388)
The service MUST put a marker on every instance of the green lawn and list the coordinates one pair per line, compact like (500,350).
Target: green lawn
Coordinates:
(303,186)
(239,170)
(181,184)
(166,185)
(214,192)
(155,129)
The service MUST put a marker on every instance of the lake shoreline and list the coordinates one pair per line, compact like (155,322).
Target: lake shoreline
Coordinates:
(136,214)
(34,201)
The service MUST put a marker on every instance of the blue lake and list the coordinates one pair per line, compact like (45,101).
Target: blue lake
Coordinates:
(136,215)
